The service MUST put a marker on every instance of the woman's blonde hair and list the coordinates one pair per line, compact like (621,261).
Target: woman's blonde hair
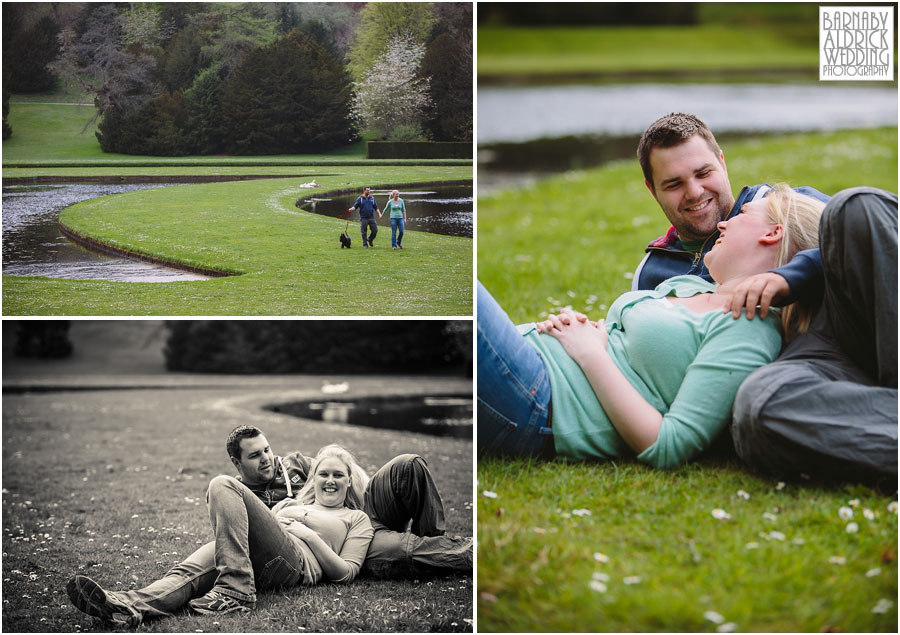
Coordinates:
(397,192)
(799,214)
(358,477)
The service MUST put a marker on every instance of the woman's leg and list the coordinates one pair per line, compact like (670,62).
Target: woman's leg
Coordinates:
(401,225)
(393,232)
(513,386)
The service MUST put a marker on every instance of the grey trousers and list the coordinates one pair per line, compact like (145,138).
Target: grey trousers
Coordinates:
(372,227)
(827,407)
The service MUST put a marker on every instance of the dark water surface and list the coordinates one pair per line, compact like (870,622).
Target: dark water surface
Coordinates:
(34,246)
(444,209)
(447,416)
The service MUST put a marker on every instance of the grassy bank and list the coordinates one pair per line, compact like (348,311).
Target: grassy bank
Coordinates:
(136,464)
(575,239)
(510,51)
(289,261)
(579,236)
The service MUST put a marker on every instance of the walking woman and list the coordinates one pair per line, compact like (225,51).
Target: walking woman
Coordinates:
(656,379)
(397,208)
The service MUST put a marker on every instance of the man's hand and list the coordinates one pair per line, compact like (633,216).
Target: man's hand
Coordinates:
(763,289)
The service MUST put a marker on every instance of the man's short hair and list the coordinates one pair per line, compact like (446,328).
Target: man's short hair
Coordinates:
(671,130)
(233,444)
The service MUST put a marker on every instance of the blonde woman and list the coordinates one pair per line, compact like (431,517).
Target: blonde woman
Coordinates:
(397,209)
(657,378)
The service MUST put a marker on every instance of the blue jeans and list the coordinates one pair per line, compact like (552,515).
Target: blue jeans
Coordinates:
(513,386)
(252,552)
(397,223)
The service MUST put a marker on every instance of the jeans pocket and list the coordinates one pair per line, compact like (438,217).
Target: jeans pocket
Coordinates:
(278,572)
(496,433)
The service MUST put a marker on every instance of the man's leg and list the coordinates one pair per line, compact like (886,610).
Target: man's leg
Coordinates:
(404,492)
(249,541)
(828,405)
(363,225)
(373,228)
(190,578)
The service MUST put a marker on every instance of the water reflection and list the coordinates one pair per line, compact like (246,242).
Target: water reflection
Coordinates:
(442,415)
(34,246)
(516,114)
(445,209)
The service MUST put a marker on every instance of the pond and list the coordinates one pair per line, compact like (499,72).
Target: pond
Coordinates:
(440,415)
(444,209)
(34,246)
(517,114)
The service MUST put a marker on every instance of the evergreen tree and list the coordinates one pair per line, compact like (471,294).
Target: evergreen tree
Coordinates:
(203,116)
(29,53)
(288,97)
(183,59)
(450,69)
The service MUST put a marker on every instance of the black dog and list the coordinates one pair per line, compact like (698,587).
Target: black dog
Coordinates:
(345,240)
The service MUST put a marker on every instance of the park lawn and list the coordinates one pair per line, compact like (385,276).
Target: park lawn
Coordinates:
(621,547)
(509,51)
(289,261)
(576,238)
(121,498)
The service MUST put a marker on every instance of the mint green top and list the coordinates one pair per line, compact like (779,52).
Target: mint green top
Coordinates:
(396,210)
(687,365)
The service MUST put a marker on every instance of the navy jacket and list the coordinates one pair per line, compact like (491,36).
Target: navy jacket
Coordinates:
(666,256)
(366,206)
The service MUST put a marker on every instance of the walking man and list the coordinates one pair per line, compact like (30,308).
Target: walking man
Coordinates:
(367,206)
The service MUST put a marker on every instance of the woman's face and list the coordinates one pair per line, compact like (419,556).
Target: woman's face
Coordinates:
(395,195)
(332,480)
(739,240)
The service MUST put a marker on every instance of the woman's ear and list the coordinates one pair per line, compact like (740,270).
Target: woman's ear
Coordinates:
(774,235)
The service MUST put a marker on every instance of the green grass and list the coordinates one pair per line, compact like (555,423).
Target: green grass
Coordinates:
(111,484)
(536,558)
(576,238)
(505,51)
(289,261)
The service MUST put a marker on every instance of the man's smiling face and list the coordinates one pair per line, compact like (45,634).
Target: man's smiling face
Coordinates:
(690,183)
(257,463)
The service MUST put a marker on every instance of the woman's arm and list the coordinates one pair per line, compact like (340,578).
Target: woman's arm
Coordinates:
(634,418)
(333,566)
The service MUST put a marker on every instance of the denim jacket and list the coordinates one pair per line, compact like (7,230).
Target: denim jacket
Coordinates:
(666,256)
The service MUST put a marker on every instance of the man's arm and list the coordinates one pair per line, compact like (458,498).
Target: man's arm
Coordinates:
(799,279)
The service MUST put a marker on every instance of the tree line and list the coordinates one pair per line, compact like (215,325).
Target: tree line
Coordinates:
(174,79)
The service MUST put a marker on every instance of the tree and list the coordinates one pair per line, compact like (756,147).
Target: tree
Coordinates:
(450,69)
(290,96)
(204,128)
(339,19)
(155,128)
(118,77)
(30,52)
(393,95)
(183,59)
(380,24)
(234,30)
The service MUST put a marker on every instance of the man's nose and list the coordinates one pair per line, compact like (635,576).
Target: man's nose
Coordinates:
(694,188)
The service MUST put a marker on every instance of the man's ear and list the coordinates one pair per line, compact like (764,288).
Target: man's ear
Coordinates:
(236,462)
(773,236)
(650,187)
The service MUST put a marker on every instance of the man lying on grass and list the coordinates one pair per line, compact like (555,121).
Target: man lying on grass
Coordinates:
(256,548)
(842,372)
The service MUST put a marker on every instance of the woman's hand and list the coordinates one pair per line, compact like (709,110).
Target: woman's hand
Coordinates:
(581,338)
(300,530)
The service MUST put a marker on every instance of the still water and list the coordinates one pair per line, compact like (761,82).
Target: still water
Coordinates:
(438,415)
(519,114)
(445,209)
(34,246)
